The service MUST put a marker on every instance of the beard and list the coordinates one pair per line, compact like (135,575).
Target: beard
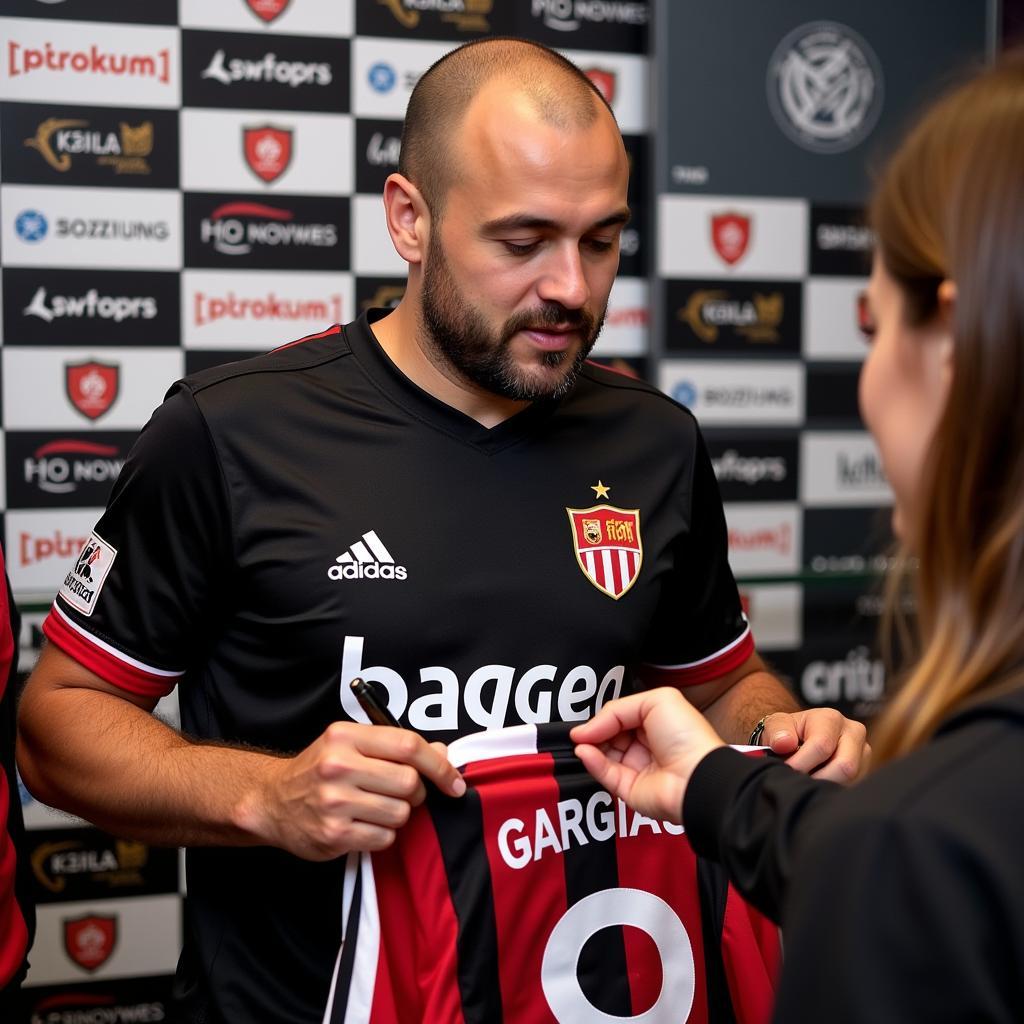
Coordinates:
(460,341)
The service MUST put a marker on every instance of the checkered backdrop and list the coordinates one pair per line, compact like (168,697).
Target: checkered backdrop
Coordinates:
(186,183)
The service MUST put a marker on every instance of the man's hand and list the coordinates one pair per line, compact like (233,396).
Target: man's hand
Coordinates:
(820,742)
(94,749)
(830,746)
(351,789)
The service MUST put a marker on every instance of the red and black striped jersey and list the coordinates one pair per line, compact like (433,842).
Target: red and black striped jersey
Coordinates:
(17,918)
(539,899)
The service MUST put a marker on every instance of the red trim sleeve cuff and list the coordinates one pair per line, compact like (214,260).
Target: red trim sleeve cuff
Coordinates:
(714,666)
(107,662)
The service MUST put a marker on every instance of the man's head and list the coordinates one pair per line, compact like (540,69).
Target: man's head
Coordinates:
(513,184)
(561,94)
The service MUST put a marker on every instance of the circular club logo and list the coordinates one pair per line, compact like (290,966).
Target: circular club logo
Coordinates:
(685,393)
(825,87)
(382,77)
(31,226)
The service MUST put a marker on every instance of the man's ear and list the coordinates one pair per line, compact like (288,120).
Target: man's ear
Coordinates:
(407,217)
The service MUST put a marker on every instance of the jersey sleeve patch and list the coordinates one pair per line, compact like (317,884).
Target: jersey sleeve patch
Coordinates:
(712,667)
(83,583)
(106,661)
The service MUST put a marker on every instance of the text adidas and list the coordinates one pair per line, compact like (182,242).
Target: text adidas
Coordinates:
(368,571)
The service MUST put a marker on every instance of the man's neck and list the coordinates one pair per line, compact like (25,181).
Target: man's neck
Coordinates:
(398,334)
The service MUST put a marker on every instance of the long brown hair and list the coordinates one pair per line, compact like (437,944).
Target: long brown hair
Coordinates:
(951,205)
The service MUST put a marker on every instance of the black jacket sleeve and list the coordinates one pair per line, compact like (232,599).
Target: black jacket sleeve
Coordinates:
(751,814)
(889,922)
(893,909)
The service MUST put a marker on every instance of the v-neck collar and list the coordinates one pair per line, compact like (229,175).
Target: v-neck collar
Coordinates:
(414,400)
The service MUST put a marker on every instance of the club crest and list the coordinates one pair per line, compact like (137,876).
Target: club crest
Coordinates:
(90,940)
(268,151)
(268,10)
(608,547)
(604,80)
(730,235)
(92,387)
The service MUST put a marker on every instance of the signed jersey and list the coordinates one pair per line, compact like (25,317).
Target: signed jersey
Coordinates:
(538,899)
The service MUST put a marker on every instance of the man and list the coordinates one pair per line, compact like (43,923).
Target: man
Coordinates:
(443,500)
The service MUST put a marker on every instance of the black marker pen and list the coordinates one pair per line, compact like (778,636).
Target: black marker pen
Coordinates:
(369,700)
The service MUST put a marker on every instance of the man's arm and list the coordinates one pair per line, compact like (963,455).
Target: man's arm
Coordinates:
(819,741)
(95,750)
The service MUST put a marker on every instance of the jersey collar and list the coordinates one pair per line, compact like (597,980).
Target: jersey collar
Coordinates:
(414,400)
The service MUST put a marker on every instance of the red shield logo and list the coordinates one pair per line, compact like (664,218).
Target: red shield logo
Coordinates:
(604,81)
(90,940)
(268,151)
(608,547)
(730,235)
(92,387)
(267,10)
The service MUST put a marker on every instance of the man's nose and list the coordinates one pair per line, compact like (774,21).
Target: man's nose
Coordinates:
(564,280)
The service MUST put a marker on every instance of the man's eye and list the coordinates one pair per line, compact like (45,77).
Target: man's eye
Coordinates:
(521,248)
(600,244)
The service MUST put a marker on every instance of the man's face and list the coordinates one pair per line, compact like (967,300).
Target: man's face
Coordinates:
(481,352)
(519,267)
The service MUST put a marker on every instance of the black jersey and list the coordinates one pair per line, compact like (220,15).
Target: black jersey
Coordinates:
(286,523)
(537,898)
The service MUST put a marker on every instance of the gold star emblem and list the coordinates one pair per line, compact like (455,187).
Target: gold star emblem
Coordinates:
(600,490)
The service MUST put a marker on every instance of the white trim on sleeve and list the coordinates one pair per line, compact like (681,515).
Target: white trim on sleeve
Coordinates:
(114,652)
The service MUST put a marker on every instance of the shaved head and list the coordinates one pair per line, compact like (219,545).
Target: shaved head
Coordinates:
(559,94)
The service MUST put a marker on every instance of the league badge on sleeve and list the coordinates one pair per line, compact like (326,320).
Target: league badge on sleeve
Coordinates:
(83,583)
(608,546)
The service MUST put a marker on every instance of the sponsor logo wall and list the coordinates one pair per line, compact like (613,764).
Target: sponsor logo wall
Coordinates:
(187,183)
(761,176)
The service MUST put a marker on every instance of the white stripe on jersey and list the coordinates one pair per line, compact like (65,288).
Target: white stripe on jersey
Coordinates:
(120,655)
(711,657)
(348,886)
(364,966)
(482,746)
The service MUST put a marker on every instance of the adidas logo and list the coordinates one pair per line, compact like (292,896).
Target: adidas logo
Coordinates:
(367,559)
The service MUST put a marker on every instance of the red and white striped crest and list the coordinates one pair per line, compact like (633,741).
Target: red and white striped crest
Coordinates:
(608,546)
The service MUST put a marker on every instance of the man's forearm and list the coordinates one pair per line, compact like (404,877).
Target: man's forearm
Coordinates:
(735,713)
(97,756)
